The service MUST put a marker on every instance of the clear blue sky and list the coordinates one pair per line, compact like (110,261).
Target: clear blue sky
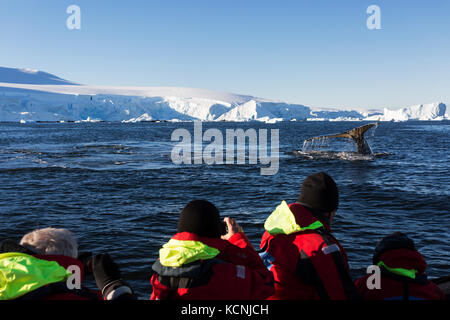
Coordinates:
(318,53)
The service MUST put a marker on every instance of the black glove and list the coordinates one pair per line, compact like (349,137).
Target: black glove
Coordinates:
(107,275)
(106,271)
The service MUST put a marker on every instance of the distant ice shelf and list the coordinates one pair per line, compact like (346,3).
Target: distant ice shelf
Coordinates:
(45,97)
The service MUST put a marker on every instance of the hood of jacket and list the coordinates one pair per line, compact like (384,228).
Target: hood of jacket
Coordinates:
(403,262)
(288,219)
(185,248)
(21,273)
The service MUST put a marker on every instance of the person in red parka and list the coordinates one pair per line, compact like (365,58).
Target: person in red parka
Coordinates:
(402,272)
(206,261)
(307,262)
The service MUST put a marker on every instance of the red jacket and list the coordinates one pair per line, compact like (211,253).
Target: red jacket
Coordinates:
(307,262)
(216,270)
(60,291)
(394,285)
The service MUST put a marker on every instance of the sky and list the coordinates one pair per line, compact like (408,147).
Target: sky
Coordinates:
(317,53)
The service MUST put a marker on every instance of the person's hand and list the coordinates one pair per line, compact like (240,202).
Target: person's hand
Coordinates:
(106,271)
(232,228)
(108,278)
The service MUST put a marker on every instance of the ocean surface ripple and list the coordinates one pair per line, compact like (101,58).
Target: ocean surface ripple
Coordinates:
(114,185)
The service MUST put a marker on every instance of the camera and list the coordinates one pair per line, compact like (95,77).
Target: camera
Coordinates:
(223,228)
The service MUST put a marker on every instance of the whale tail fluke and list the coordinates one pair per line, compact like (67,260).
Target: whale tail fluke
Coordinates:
(356,134)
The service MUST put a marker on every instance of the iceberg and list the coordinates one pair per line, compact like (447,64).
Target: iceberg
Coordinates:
(33,96)
(144,117)
(432,111)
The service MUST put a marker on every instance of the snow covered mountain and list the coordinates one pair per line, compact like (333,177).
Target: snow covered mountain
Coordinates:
(28,96)
(28,76)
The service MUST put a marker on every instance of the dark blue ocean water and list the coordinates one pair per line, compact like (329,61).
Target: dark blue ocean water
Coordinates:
(114,185)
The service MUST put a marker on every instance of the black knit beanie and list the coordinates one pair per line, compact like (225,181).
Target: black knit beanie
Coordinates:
(202,218)
(396,240)
(320,193)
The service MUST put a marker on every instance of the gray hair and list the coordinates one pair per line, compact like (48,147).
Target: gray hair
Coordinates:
(51,241)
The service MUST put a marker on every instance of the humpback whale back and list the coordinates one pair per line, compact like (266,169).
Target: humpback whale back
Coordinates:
(356,134)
